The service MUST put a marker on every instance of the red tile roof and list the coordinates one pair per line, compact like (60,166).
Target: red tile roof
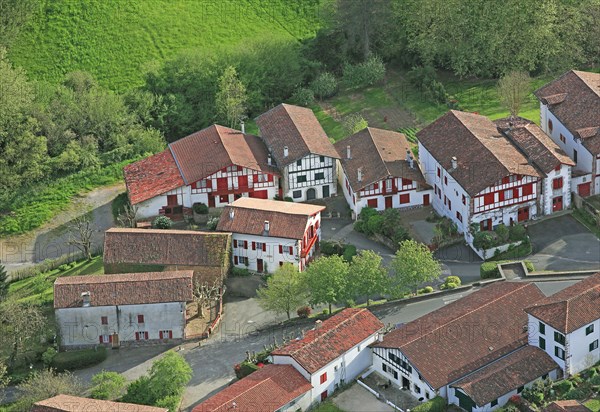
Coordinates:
(574,98)
(520,367)
(483,154)
(265,390)
(465,335)
(571,308)
(380,154)
(152,177)
(566,406)
(204,153)
(334,337)
(68,403)
(298,129)
(286,219)
(124,289)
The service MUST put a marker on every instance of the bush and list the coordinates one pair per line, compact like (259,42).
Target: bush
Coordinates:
(329,248)
(595,380)
(170,402)
(303,97)
(517,233)
(325,85)
(239,272)
(375,224)
(360,226)
(201,208)
(107,385)
(64,267)
(303,312)
(426,289)
(529,266)
(366,213)
(424,78)
(503,233)
(580,393)
(67,361)
(453,279)
(349,252)
(437,404)
(162,222)
(563,386)
(489,270)
(484,240)
(212,223)
(244,369)
(48,356)
(367,73)
(325,311)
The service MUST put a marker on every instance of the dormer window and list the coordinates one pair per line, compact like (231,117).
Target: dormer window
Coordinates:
(589,329)
(550,125)
(85,296)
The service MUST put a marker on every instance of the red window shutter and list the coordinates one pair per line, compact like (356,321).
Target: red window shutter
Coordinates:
(253,245)
(405,198)
(515,193)
(160,334)
(406,182)
(488,199)
(235,260)
(505,180)
(245,244)
(137,335)
(445,180)
(264,247)
(500,196)
(291,250)
(324,377)
(557,168)
(145,335)
(234,242)
(109,338)
(100,338)
(281,249)
(557,183)
(317,224)
(527,189)
(170,334)
(439,172)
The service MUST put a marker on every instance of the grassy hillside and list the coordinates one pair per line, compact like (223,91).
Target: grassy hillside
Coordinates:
(115,40)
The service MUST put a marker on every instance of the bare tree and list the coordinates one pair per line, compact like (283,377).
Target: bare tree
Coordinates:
(4,379)
(513,88)
(80,235)
(205,293)
(21,324)
(127,217)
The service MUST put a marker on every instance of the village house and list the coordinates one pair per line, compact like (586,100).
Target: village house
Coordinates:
(272,388)
(68,403)
(213,166)
(302,151)
(123,309)
(377,170)
(567,325)
(488,173)
(570,115)
(268,233)
(565,406)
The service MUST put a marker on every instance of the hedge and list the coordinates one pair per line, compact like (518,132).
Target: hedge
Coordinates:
(68,361)
(437,404)
(489,270)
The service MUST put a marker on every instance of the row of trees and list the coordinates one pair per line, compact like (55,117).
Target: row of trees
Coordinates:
(332,280)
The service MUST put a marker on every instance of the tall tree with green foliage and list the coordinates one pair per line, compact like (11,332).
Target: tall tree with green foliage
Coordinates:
(22,324)
(367,277)
(47,384)
(513,88)
(231,98)
(284,292)
(327,280)
(107,385)
(3,282)
(412,266)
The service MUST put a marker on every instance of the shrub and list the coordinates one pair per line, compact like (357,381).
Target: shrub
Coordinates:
(325,85)
(48,356)
(67,361)
(453,279)
(579,393)
(529,266)
(563,386)
(107,385)
(170,402)
(484,240)
(200,208)
(329,248)
(303,97)
(325,311)
(212,223)
(426,289)
(451,285)
(288,199)
(244,369)
(516,233)
(375,224)
(489,270)
(424,78)
(239,272)
(349,252)
(360,226)
(503,233)
(437,404)
(367,73)
(64,267)
(162,222)
(354,123)
(366,213)
(303,312)
(595,380)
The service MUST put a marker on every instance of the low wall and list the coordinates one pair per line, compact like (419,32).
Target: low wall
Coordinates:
(488,253)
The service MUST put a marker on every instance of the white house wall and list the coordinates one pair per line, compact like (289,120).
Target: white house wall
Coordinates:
(548,193)
(271,256)
(310,165)
(579,355)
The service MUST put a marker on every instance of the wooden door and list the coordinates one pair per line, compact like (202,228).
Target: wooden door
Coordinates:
(172,200)
(426,200)
(557,204)
(584,189)
(388,202)
(523,214)
(211,201)
(243,182)
(311,194)
(326,191)
(115,340)
(259,265)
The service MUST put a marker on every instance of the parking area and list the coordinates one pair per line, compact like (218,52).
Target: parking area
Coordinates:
(358,399)
(563,243)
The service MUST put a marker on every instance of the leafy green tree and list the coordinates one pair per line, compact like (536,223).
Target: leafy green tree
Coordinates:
(107,385)
(325,85)
(231,98)
(327,280)
(22,325)
(354,123)
(285,291)
(13,15)
(3,282)
(47,384)
(412,266)
(367,277)
(513,88)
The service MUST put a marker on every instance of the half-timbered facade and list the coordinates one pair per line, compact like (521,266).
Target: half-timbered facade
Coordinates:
(377,170)
(570,115)
(302,151)
(214,166)
(268,233)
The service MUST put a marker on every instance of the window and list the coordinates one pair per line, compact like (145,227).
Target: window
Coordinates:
(299,162)
(301,179)
(401,363)
(464,200)
(323,378)
(542,328)
(550,125)
(445,180)
(449,204)
(520,389)
(235,245)
(589,329)
(508,194)
(322,159)
(141,335)
(384,367)
(105,338)
(458,216)
(291,250)
(235,260)
(417,389)
(562,138)
(260,246)
(557,183)
(494,403)
(404,198)
(527,189)
(488,199)
(165,334)
(559,338)
(427,395)
(296,194)
(372,203)
(104,320)
(575,155)
(224,198)
(140,318)
(594,345)
(544,377)
(395,373)
(439,172)
(542,343)
(319,176)
(559,353)
(243,260)
(323,396)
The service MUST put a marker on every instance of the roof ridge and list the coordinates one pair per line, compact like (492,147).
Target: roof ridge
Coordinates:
(177,163)
(257,383)
(578,72)
(285,106)
(378,151)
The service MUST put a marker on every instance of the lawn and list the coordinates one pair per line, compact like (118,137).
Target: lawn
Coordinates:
(116,40)
(593,405)
(327,406)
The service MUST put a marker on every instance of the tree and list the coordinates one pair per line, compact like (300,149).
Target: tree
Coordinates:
(47,384)
(80,235)
(13,15)
(3,282)
(354,123)
(327,280)
(413,265)
(513,88)
(231,98)
(4,379)
(22,324)
(107,385)
(285,291)
(367,277)
(205,293)
(127,217)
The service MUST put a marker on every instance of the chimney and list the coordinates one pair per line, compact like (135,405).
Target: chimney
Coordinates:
(231,213)
(408,156)
(380,337)
(243,126)
(359,177)
(318,324)
(86,299)
(269,160)
(348,153)
(454,163)
(285,151)
(267,226)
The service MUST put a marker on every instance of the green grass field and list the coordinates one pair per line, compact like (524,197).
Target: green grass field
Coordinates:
(116,40)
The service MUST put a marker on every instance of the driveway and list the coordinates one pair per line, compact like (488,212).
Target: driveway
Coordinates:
(562,243)
(358,399)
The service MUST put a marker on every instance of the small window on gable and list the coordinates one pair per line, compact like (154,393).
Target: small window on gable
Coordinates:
(299,162)
(494,403)
(464,199)
(589,329)
(104,320)
(322,159)
(140,318)
(550,125)
(562,138)
(439,172)
(323,378)
(557,168)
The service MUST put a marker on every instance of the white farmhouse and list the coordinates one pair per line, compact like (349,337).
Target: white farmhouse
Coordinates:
(302,151)
(379,171)
(570,115)
(567,325)
(268,233)
(131,308)
(213,166)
